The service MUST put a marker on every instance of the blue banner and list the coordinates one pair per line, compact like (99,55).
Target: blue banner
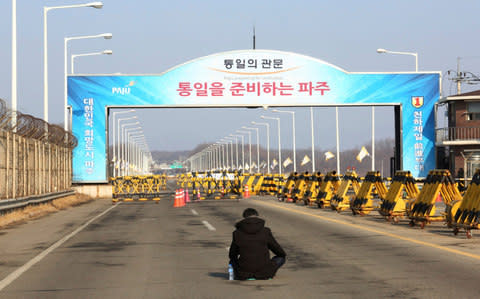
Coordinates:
(246,78)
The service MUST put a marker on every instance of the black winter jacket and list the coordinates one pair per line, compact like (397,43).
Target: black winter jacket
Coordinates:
(250,247)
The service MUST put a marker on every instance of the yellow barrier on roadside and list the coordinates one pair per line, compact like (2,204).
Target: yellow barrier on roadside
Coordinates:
(465,214)
(141,188)
(328,187)
(439,186)
(341,200)
(403,190)
(313,189)
(372,185)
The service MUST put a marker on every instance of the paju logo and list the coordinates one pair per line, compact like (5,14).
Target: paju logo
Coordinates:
(123,90)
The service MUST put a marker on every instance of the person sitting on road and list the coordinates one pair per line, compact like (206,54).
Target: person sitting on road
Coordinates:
(249,252)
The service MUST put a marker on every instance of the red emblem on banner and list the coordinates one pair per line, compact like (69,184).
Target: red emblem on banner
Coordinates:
(417,102)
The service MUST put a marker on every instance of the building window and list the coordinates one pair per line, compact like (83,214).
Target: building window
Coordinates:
(473,111)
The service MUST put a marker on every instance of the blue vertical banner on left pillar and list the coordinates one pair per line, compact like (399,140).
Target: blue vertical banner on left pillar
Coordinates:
(89,155)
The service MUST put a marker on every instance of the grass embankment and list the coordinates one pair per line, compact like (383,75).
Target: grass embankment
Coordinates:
(37,211)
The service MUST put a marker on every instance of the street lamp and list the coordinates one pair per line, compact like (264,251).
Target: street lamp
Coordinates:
(128,132)
(115,158)
(258,146)
(14,63)
(279,144)
(249,148)
(122,142)
(229,139)
(65,48)
(133,148)
(268,142)
(383,51)
(293,128)
(104,52)
(243,149)
(46,9)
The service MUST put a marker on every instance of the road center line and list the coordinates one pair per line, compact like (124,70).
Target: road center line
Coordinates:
(208,225)
(440,247)
(17,273)
(194,212)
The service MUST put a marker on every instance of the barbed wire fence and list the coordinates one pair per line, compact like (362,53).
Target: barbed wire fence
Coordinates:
(35,156)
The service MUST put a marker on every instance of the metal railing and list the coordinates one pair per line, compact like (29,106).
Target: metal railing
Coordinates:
(458,134)
(35,157)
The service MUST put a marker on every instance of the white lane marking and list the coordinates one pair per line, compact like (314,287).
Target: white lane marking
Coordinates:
(16,274)
(194,212)
(208,225)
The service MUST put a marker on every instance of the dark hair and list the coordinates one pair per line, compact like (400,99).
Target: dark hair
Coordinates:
(249,212)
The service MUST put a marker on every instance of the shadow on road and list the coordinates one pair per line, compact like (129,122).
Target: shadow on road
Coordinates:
(218,275)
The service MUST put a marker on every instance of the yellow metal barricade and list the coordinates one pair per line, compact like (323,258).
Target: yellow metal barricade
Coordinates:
(372,187)
(439,186)
(312,192)
(349,186)
(328,188)
(465,214)
(403,190)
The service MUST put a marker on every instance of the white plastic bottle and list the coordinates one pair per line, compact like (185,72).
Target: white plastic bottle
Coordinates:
(230,272)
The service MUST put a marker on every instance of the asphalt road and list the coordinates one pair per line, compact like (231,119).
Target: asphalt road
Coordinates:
(147,250)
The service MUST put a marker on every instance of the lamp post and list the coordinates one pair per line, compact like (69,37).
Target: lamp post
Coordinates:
(115,158)
(383,51)
(14,63)
(249,148)
(293,128)
(46,9)
(225,153)
(65,49)
(121,152)
(313,140)
(258,147)
(134,149)
(279,143)
(338,139)
(104,52)
(128,133)
(268,142)
(231,150)
(123,145)
(243,149)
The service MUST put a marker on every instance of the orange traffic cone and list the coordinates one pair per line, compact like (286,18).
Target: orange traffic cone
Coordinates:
(289,195)
(182,197)
(176,202)
(198,194)
(246,192)
(187,197)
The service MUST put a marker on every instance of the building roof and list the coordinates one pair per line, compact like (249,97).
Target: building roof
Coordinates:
(472,95)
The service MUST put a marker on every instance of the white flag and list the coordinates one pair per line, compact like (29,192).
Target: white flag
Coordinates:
(305,160)
(274,163)
(240,167)
(247,167)
(329,155)
(254,165)
(263,164)
(362,154)
(287,162)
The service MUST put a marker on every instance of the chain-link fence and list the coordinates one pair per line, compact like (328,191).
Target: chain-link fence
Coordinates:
(35,157)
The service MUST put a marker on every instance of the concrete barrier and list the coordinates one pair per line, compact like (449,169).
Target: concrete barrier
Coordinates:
(95,190)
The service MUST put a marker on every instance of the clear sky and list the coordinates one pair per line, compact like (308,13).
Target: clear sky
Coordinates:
(150,37)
